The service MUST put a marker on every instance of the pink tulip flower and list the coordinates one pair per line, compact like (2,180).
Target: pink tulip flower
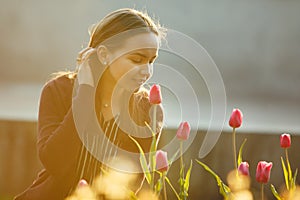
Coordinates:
(162,161)
(285,140)
(263,171)
(155,94)
(244,168)
(82,183)
(183,131)
(236,118)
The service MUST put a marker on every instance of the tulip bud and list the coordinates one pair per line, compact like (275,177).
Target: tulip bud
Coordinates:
(183,131)
(161,161)
(236,118)
(244,168)
(285,140)
(82,183)
(263,171)
(155,94)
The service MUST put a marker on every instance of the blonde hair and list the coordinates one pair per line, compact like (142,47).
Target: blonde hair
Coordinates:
(116,22)
(120,21)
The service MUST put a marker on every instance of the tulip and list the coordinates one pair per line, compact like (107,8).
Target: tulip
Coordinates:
(161,161)
(263,171)
(82,183)
(285,140)
(155,94)
(244,168)
(235,121)
(182,134)
(183,131)
(236,118)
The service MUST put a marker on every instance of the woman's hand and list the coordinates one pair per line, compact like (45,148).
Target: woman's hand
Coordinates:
(85,75)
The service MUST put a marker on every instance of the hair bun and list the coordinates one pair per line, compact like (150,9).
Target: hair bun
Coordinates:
(91,29)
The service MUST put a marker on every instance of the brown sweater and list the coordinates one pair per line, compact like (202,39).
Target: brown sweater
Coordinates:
(58,143)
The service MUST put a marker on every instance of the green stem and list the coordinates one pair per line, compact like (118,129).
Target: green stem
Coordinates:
(181,158)
(152,153)
(170,184)
(234,148)
(286,155)
(182,192)
(262,191)
(154,118)
(152,180)
(289,167)
(164,185)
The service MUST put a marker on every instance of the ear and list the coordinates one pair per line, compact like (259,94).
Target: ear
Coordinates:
(103,54)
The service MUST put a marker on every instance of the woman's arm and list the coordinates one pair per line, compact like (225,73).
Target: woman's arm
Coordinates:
(58,141)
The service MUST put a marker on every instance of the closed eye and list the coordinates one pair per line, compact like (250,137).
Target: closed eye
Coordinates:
(141,58)
(136,59)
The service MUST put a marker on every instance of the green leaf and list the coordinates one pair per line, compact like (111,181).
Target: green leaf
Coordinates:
(275,193)
(187,178)
(181,177)
(152,153)
(289,170)
(132,196)
(159,185)
(104,171)
(143,161)
(285,173)
(181,172)
(181,182)
(240,159)
(223,188)
(173,189)
(153,148)
(294,179)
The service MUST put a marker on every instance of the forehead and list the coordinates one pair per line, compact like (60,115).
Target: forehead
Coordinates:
(141,42)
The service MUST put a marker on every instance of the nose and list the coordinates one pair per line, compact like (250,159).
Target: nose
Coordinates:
(147,70)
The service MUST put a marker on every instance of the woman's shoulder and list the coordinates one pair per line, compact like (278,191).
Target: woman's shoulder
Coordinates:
(61,79)
(61,82)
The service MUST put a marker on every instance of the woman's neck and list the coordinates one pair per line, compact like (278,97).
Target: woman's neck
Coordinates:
(111,97)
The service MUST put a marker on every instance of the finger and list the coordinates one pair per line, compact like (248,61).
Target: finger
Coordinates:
(84,54)
(88,52)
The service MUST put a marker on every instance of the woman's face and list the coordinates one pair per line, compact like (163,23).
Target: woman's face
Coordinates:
(132,64)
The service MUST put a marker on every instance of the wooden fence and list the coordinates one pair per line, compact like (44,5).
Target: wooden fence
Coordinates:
(19,162)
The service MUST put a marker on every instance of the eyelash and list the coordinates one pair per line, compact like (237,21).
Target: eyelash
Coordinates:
(140,60)
(136,61)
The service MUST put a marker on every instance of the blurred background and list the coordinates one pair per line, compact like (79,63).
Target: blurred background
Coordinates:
(255,45)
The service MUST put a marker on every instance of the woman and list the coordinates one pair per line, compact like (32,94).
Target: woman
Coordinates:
(105,93)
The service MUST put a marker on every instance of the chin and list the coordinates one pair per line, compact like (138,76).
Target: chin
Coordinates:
(132,87)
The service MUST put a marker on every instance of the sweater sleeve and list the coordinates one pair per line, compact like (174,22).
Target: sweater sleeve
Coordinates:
(58,141)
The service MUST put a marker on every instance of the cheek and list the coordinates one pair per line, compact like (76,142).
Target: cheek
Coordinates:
(123,70)
(130,71)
